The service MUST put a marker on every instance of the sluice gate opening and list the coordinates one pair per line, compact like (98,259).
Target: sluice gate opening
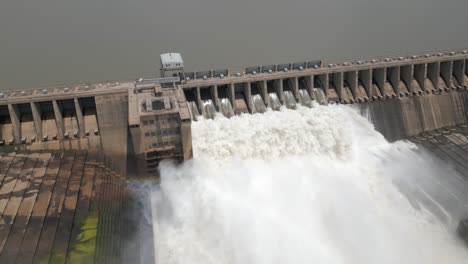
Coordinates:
(306,91)
(378,80)
(289,92)
(418,79)
(241,93)
(466,72)
(70,122)
(458,73)
(48,121)
(225,100)
(274,95)
(253,97)
(87,106)
(258,97)
(27,128)
(6,127)
(433,75)
(208,101)
(335,87)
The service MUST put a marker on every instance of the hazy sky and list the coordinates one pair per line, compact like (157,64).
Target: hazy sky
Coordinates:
(51,42)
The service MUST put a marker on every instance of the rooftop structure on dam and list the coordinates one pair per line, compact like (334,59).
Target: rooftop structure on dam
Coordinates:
(137,124)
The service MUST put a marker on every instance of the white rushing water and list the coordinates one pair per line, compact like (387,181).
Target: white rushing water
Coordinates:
(312,185)
(275,103)
(304,98)
(289,100)
(258,104)
(226,107)
(208,109)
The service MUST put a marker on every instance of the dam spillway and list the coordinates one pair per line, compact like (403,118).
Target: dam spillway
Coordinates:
(311,185)
(423,92)
(137,125)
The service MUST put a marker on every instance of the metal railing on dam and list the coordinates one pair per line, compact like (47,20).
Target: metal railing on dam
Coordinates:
(404,96)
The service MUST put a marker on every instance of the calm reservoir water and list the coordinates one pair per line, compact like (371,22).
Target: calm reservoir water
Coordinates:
(51,42)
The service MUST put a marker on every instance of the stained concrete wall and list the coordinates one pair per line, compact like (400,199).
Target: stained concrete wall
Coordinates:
(112,115)
(404,117)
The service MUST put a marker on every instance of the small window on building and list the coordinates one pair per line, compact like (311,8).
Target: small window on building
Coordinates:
(151,122)
(145,123)
(147,134)
(153,134)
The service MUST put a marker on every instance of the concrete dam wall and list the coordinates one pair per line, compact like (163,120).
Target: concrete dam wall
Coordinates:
(402,96)
(405,117)
(53,201)
(138,124)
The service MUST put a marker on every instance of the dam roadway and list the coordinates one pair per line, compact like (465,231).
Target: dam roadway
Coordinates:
(67,154)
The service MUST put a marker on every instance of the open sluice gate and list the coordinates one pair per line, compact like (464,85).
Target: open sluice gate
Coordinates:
(249,98)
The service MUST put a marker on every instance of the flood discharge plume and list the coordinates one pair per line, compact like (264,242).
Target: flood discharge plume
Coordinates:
(312,185)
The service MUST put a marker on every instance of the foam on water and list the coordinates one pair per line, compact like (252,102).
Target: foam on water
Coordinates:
(312,185)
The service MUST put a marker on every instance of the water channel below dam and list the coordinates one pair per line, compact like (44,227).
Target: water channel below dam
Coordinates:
(311,185)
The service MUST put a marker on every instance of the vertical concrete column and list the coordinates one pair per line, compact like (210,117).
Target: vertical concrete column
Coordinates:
(232,96)
(295,87)
(186,136)
(309,82)
(199,100)
(446,68)
(325,82)
(214,95)
(379,77)
(279,89)
(112,116)
(36,113)
(264,91)
(352,80)
(338,82)
(406,75)
(433,73)
(79,117)
(420,73)
(58,119)
(366,79)
(393,75)
(248,96)
(458,71)
(15,122)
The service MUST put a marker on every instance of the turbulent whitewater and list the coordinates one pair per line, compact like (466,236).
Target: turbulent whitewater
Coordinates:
(311,185)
